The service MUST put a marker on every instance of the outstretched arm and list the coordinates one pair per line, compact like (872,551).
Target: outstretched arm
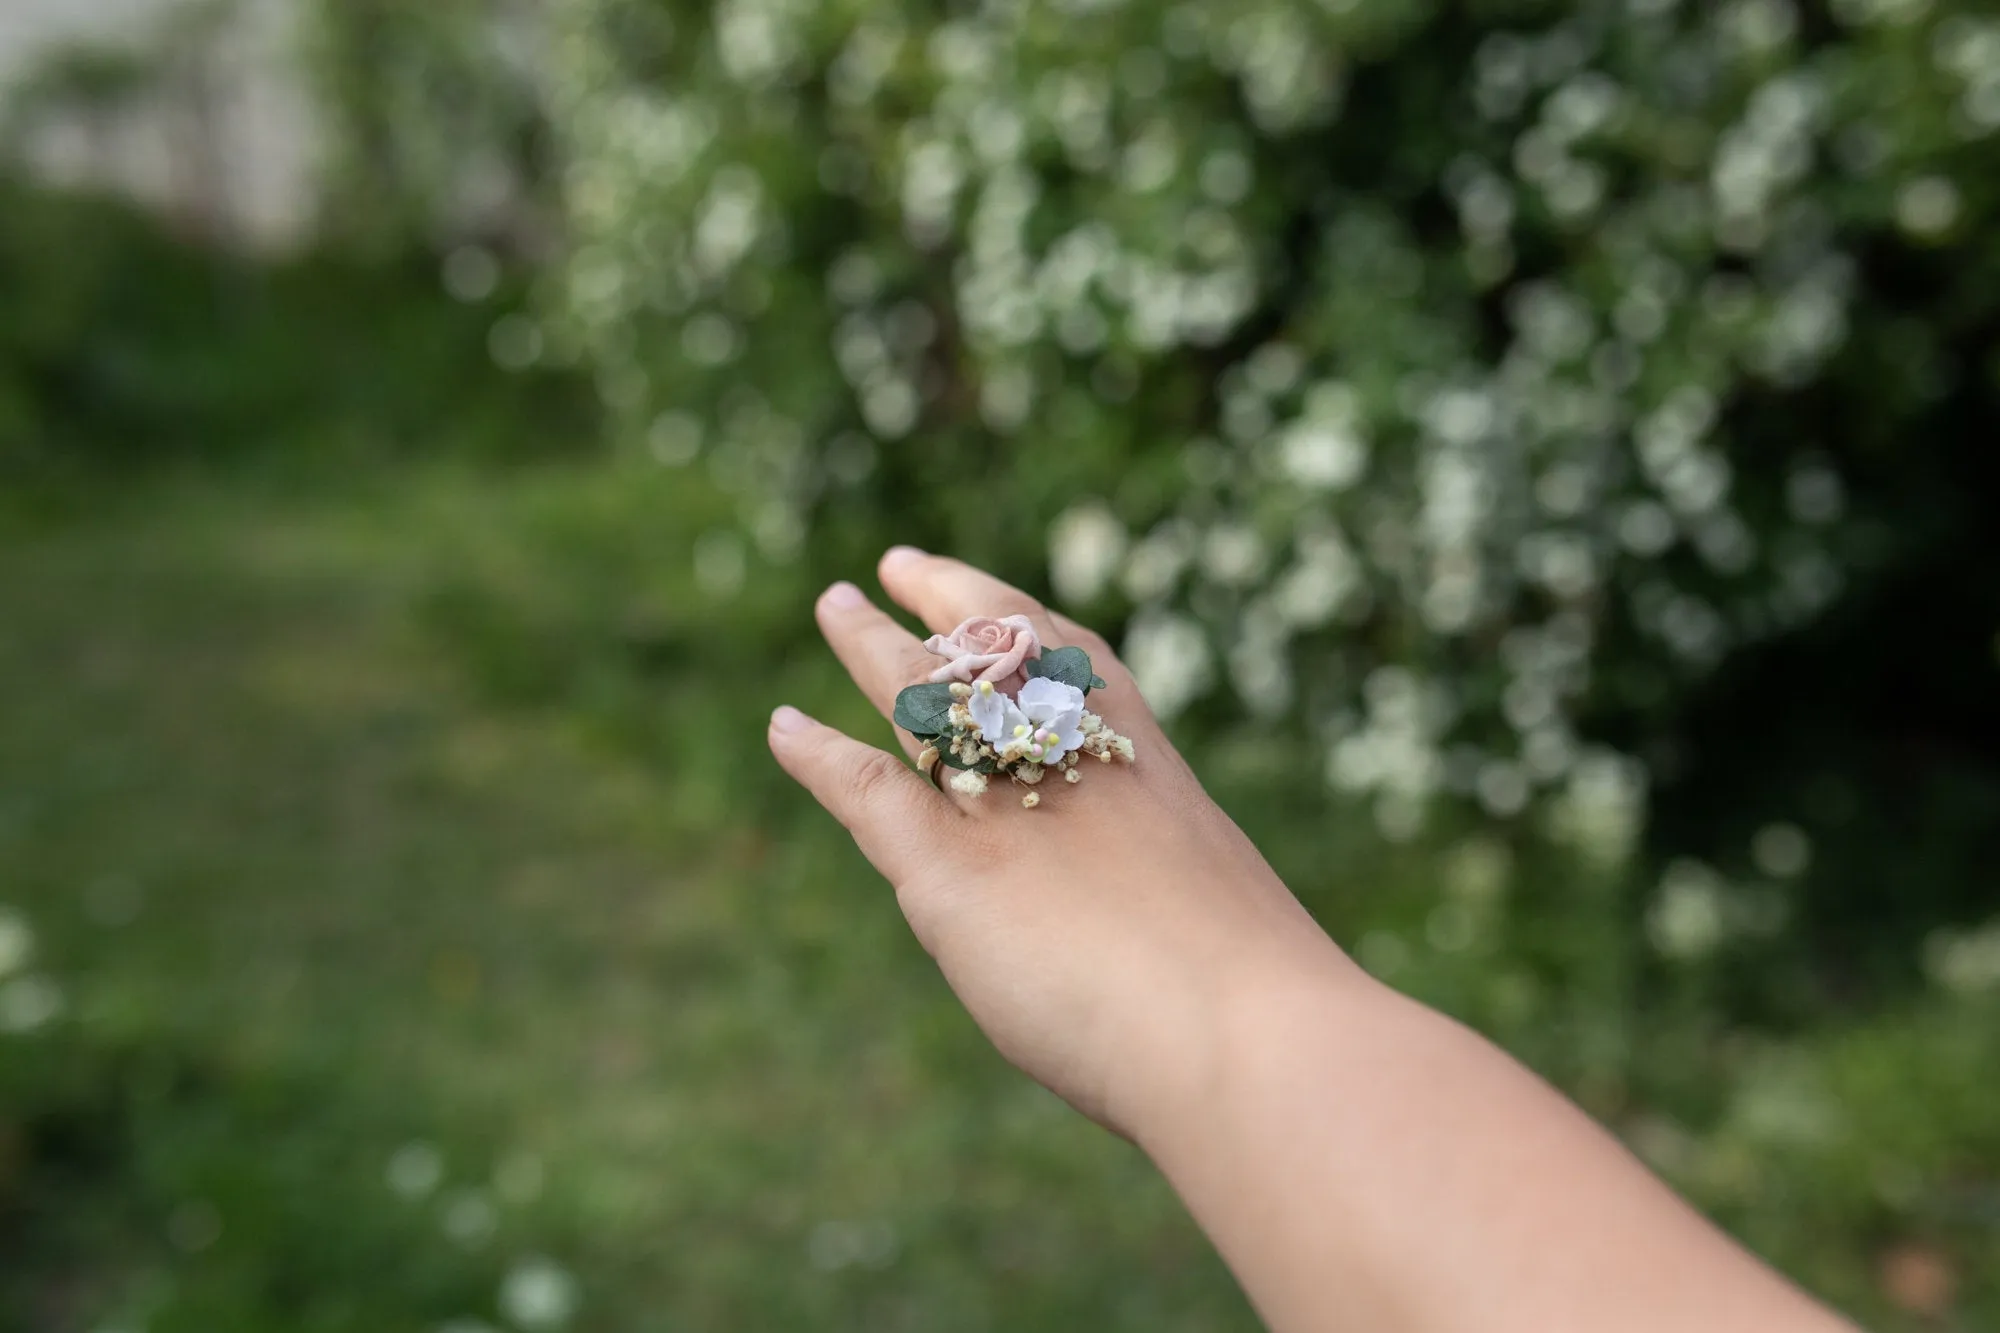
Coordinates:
(1360,1161)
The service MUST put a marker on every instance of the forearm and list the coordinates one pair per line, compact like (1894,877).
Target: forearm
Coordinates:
(1365,1164)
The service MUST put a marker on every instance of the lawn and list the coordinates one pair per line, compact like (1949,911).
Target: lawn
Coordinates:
(436,944)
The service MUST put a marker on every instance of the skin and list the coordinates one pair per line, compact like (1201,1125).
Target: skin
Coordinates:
(1360,1161)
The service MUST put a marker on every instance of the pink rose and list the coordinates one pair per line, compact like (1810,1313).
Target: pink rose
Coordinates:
(985,649)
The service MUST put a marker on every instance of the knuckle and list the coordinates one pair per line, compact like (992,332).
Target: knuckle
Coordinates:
(987,842)
(998,599)
(1025,603)
(875,778)
(914,665)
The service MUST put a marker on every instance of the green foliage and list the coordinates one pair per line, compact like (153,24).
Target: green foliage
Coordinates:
(1565,427)
(923,711)
(121,345)
(1573,414)
(133,1193)
(1468,385)
(435,119)
(430,804)
(1067,666)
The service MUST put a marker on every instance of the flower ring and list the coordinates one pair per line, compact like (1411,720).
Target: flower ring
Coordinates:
(1002,705)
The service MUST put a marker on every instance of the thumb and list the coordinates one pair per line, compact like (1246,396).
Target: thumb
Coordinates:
(891,811)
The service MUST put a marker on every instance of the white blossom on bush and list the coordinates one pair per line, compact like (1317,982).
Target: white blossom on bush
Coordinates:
(1091,234)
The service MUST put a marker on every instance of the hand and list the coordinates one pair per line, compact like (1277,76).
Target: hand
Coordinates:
(1097,940)
(1360,1161)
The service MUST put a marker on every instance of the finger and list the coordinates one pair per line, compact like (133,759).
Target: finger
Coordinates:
(944,593)
(882,656)
(890,809)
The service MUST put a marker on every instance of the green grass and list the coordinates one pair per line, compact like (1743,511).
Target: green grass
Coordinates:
(429,806)
(398,869)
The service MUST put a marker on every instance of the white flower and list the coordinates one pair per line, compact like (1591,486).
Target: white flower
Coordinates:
(1042,725)
(1169,654)
(538,1294)
(1086,546)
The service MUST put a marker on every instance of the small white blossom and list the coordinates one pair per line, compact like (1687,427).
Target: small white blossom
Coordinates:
(1042,725)
(1086,546)
(1169,655)
(538,1294)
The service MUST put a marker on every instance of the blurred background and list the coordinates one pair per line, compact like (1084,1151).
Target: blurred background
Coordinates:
(1540,457)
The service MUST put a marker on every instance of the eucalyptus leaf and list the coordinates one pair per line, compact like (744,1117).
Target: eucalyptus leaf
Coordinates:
(924,710)
(1066,666)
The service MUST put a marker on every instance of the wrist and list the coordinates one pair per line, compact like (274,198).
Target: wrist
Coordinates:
(1230,1026)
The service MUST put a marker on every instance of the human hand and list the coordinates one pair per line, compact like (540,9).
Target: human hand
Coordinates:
(1098,940)
(1359,1160)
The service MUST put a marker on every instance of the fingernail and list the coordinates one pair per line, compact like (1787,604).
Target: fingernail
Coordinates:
(898,554)
(844,596)
(788,719)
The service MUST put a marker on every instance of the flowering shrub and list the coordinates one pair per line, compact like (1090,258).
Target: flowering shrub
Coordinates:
(1444,382)
(433,117)
(1506,398)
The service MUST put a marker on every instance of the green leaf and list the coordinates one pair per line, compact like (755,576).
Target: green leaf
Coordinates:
(1066,666)
(922,710)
